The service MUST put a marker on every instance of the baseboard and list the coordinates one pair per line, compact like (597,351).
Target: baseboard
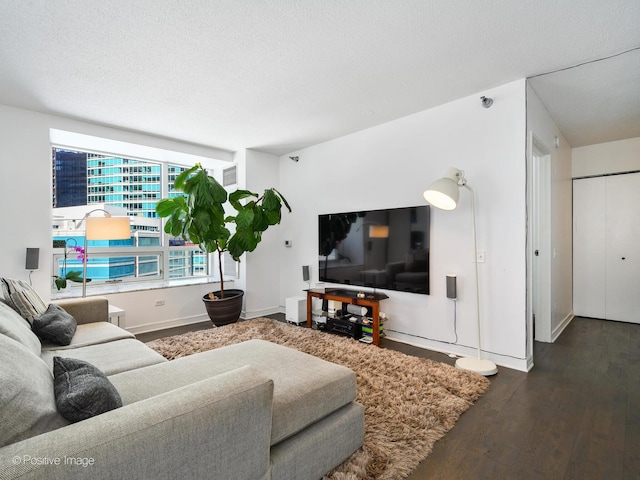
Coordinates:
(561,326)
(178,322)
(260,313)
(521,364)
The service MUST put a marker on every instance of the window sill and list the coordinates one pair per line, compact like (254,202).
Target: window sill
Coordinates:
(111,288)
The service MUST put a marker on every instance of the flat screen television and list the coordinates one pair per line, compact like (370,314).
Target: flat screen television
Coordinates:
(387,249)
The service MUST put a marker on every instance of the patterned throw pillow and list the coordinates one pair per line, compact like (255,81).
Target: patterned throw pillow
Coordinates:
(23,298)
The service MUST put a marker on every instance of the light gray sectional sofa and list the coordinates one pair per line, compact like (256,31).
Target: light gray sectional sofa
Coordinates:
(254,410)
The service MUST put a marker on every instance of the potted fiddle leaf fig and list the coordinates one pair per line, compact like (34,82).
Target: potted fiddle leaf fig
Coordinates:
(200,217)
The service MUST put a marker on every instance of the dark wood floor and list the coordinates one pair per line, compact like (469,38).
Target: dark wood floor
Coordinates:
(574,416)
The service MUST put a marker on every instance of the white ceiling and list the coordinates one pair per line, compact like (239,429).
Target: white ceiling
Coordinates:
(279,75)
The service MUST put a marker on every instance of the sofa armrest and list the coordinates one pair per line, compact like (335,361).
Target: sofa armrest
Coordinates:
(221,424)
(87,310)
(394,268)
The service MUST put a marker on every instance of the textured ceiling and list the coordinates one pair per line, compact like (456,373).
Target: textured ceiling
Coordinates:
(596,102)
(279,75)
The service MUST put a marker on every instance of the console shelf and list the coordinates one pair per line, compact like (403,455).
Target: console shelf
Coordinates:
(349,296)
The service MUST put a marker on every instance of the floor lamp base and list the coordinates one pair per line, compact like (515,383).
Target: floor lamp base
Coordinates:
(478,365)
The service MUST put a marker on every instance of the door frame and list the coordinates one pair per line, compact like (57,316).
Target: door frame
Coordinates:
(539,238)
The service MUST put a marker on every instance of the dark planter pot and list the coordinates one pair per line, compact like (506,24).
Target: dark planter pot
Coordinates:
(224,310)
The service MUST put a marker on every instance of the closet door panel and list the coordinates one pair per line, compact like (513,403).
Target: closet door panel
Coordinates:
(623,248)
(589,242)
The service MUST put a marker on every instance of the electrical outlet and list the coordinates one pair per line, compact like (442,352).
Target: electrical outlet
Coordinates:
(159,303)
(480,256)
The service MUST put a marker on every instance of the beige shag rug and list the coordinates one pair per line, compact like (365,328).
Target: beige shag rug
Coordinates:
(409,402)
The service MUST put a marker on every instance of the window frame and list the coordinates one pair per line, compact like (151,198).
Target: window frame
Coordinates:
(163,251)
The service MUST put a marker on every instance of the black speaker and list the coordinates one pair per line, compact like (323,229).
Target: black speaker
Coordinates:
(452,288)
(305,273)
(33,259)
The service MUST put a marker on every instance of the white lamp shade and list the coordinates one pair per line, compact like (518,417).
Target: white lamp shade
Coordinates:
(443,194)
(107,228)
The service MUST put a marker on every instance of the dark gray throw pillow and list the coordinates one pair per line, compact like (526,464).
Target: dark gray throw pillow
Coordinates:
(55,325)
(82,390)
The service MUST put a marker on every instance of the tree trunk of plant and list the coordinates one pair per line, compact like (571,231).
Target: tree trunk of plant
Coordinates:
(220,271)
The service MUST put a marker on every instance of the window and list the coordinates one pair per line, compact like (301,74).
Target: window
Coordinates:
(84,181)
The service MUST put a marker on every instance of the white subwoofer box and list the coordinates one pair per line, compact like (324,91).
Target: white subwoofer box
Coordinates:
(296,310)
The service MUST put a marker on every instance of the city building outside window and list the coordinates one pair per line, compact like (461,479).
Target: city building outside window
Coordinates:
(84,181)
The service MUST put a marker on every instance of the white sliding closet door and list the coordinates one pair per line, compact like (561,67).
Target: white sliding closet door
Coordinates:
(623,248)
(606,246)
(589,271)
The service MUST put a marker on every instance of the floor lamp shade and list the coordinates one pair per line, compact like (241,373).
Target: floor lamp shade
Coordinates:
(444,193)
(107,228)
(102,228)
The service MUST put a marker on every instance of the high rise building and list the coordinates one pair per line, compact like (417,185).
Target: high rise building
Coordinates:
(135,185)
(69,178)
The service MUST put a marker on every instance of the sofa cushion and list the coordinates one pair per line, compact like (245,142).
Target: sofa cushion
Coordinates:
(55,325)
(27,401)
(14,326)
(22,298)
(111,358)
(82,391)
(306,388)
(91,334)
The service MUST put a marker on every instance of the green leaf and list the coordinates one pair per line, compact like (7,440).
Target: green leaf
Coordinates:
(284,200)
(273,217)
(74,276)
(166,207)
(235,197)
(181,179)
(176,225)
(242,241)
(244,219)
(260,220)
(218,192)
(270,201)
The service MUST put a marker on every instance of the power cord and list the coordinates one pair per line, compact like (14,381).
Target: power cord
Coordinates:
(455,320)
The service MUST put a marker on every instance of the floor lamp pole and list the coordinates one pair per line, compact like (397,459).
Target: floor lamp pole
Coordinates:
(84,267)
(478,365)
(475,262)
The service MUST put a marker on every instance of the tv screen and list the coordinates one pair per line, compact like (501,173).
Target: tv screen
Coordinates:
(386,249)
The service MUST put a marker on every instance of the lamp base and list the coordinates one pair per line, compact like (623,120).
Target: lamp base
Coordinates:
(478,365)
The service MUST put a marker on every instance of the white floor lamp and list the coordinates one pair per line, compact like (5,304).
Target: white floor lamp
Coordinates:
(444,194)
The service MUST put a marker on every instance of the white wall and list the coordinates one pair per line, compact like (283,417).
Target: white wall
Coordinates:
(540,123)
(603,158)
(25,183)
(390,165)
(262,273)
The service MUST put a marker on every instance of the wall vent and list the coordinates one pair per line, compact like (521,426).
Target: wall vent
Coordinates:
(230,176)
(230,268)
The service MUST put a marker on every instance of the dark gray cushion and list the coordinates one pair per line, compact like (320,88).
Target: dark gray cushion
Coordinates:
(81,390)
(55,325)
